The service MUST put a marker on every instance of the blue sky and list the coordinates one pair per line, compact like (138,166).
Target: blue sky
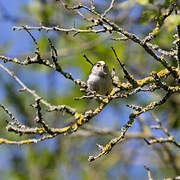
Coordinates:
(19,39)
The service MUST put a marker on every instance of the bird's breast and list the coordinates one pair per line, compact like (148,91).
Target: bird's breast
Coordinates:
(102,85)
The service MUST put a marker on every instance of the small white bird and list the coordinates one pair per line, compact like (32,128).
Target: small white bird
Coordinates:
(100,79)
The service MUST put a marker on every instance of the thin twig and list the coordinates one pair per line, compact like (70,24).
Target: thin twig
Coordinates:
(32,92)
(149,173)
(109,8)
(88,60)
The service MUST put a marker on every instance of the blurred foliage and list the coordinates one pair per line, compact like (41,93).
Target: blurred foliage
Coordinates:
(66,157)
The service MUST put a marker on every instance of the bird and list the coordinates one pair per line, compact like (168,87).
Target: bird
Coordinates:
(100,79)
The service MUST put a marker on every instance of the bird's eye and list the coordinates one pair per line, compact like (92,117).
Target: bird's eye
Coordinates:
(98,65)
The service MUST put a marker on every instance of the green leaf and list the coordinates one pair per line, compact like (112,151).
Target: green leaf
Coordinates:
(143,2)
(172,21)
(43,44)
(147,16)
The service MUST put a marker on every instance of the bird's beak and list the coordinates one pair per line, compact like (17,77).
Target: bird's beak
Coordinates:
(104,69)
